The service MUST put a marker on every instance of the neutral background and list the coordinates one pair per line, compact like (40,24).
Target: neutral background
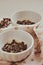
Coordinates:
(8,7)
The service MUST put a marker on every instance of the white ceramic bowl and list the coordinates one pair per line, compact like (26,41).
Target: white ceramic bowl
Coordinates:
(18,35)
(8,27)
(39,32)
(26,15)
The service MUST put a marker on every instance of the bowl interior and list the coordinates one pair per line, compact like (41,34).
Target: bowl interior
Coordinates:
(26,15)
(18,35)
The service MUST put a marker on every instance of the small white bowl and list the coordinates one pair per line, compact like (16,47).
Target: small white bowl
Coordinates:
(26,15)
(39,32)
(18,35)
(8,27)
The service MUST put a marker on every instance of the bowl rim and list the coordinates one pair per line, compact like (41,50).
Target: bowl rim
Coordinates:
(24,50)
(26,11)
